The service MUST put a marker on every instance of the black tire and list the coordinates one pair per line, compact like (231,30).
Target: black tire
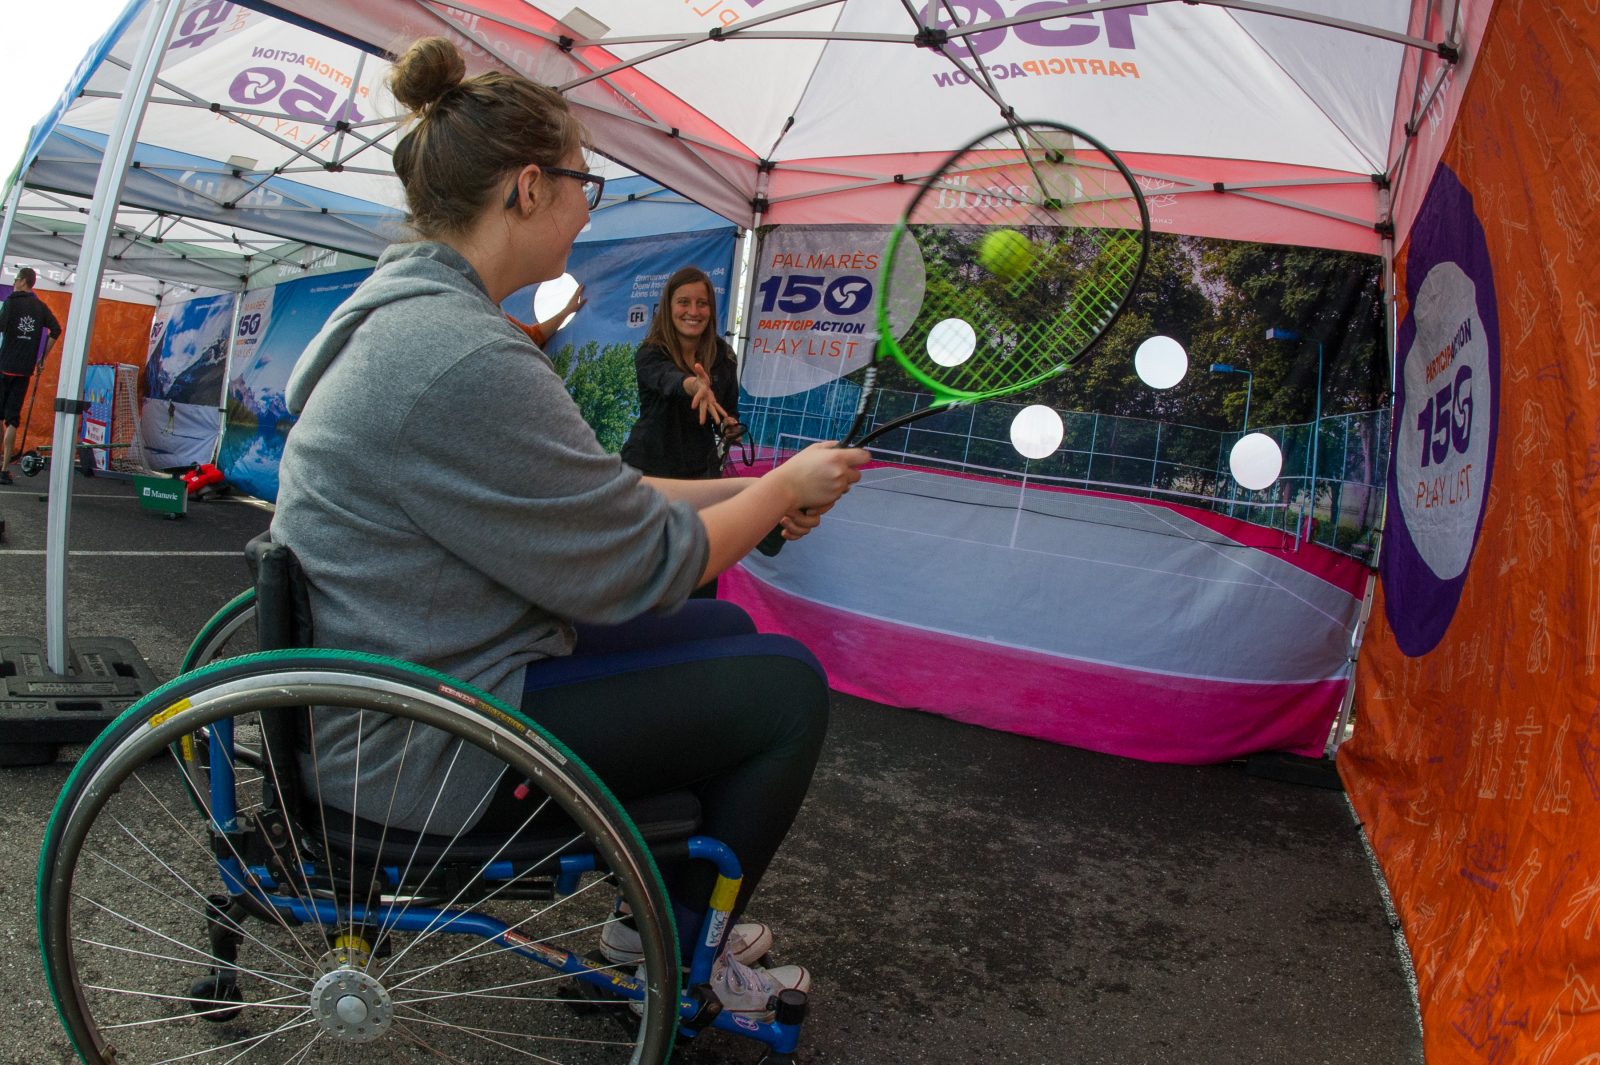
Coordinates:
(127,871)
(210,998)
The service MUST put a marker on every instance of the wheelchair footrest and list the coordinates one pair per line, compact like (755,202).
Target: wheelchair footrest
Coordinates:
(40,710)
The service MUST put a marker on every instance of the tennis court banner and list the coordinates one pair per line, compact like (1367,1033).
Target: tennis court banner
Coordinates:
(275,325)
(1475,764)
(183,378)
(1136,627)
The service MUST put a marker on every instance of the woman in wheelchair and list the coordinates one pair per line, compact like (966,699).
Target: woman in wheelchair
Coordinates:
(463,592)
(449,506)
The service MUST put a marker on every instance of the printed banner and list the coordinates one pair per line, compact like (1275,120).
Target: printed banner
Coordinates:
(274,328)
(183,380)
(99,383)
(813,320)
(189,350)
(1446,416)
(1475,764)
(623,281)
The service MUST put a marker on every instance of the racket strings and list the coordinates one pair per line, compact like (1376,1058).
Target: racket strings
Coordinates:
(1013,259)
(1028,326)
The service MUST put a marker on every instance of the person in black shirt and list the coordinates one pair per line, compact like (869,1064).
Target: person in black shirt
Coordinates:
(688,389)
(22,317)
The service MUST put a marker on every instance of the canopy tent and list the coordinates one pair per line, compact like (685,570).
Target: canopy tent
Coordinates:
(1279,123)
(208,125)
(176,248)
(1287,123)
(168,249)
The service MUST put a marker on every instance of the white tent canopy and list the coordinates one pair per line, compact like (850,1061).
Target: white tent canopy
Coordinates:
(48,227)
(1256,121)
(1283,122)
(1306,121)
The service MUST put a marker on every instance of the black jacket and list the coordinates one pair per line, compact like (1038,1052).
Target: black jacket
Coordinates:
(668,439)
(22,316)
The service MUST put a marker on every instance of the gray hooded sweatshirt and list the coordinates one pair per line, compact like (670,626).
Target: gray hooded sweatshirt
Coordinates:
(451,507)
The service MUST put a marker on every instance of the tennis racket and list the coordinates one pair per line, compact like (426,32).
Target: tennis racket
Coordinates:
(1012,260)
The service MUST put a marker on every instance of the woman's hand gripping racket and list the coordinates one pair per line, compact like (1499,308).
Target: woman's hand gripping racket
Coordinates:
(1011,262)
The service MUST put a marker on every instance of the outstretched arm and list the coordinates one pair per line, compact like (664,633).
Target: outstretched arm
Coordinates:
(551,325)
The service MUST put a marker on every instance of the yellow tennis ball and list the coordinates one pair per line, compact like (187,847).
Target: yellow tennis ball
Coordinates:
(1007,253)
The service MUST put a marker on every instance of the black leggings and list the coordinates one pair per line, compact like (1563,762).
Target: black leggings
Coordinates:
(694,700)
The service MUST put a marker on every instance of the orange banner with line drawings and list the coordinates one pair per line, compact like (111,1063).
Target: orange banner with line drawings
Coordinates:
(1475,765)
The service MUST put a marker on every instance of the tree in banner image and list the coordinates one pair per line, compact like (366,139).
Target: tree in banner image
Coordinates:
(603,385)
(1334,297)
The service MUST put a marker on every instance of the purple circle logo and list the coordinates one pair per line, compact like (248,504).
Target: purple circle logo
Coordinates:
(1446,411)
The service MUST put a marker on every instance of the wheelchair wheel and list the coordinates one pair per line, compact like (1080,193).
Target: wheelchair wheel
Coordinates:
(395,935)
(230,632)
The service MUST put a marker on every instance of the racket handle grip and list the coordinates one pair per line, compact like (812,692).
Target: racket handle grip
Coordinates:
(772,543)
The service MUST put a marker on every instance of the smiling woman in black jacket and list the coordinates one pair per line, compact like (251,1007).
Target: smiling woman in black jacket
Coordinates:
(688,390)
(688,385)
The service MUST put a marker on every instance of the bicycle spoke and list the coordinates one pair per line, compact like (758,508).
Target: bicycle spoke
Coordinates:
(464,954)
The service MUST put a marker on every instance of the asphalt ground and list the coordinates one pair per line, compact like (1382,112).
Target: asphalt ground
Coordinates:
(960,895)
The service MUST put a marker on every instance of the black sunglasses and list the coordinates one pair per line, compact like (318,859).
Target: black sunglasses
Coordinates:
(593,185)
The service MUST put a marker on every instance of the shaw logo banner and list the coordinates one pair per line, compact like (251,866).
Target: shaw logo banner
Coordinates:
(1446,416)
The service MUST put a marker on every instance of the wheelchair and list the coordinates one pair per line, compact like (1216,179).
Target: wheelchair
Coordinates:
(202,897)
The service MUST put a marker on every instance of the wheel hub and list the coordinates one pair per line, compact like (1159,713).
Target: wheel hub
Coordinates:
(351,1005)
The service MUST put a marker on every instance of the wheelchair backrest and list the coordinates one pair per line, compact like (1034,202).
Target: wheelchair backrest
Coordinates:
(283,602)
(283,622)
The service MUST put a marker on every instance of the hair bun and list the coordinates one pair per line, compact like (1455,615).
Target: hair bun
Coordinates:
(429,68)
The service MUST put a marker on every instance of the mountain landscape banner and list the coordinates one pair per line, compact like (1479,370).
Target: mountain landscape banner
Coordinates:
(183,376)
(275,325)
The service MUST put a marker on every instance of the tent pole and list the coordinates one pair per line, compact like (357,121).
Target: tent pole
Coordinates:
(12,202)
(747,280)
(227,369)
(80,324)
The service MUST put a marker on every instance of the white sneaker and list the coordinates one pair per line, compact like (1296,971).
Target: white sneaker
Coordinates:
(748,943)
(754,992)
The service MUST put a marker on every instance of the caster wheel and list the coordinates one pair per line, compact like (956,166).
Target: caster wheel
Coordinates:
(31,464)
(207,993)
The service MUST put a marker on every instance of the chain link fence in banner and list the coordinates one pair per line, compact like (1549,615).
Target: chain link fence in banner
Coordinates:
(1331,490)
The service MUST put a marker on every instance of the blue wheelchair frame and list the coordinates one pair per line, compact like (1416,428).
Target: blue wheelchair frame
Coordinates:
(698,1009)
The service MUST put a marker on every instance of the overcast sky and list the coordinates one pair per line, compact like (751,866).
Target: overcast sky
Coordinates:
(41,44)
